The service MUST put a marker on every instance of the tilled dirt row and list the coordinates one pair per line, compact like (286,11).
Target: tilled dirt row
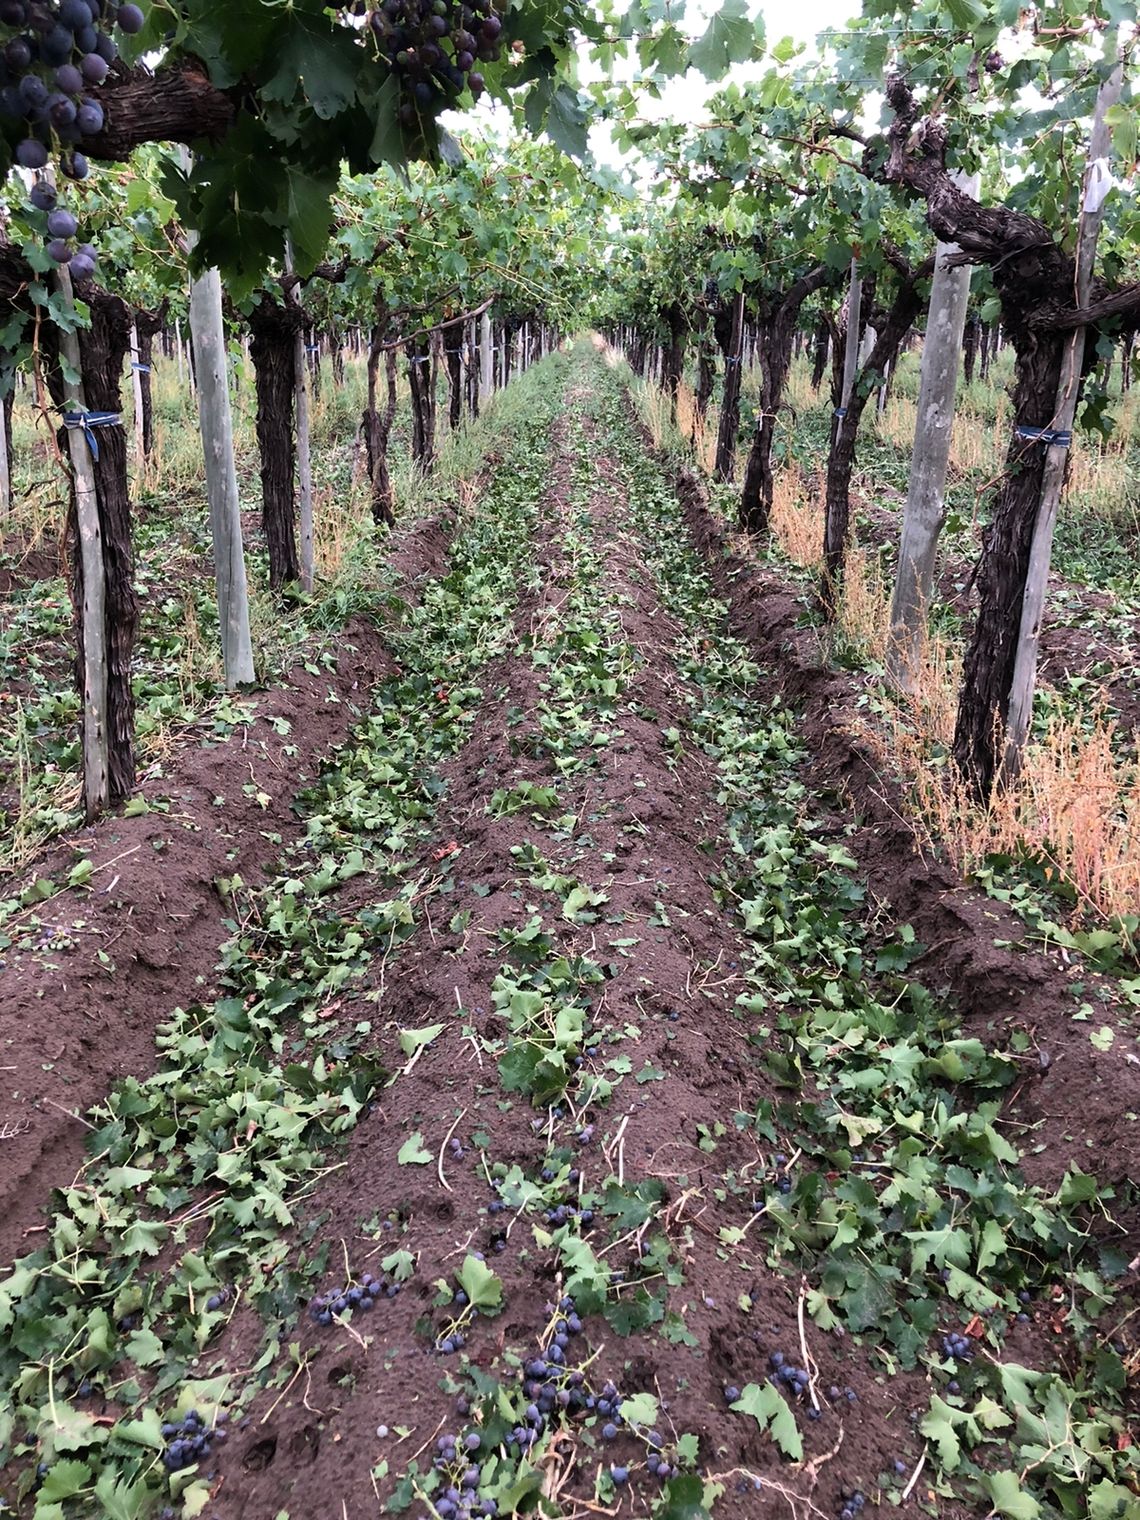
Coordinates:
(90,972)
(638,826)
(593,1112)
(1075,1098)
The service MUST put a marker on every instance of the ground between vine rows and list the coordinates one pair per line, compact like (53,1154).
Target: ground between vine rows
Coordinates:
(686,1033)
(1073,1098)
(83,990)
(647,819)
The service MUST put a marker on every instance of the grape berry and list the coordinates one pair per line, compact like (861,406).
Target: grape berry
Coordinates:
(190,1439)
(433,47)
(55,50)
(326,1308)
(553,1394)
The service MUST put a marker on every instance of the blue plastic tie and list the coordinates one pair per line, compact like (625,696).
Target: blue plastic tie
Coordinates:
(841,411)
(143,369)
(89,421)
(1059,437)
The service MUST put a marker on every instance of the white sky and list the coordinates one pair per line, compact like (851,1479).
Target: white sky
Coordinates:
(682,99)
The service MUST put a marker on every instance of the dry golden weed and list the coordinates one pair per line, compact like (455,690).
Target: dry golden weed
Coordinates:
(797,518)
(339,523)
(1076,804)
(1075,807)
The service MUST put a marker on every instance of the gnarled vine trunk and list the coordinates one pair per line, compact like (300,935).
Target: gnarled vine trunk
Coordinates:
(147,325)
(453,353)
(423,402)
(729,329)
(706,377)
(313,361)
(841,458)
(1034,277)
(673,352)
(273,330)
(987,672)
(377,427)
(970,345)
(778,332)
(819,352)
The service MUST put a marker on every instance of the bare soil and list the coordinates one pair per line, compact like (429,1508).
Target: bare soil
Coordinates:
(647,822)
(675,991)
(93,970)
(1072,1096)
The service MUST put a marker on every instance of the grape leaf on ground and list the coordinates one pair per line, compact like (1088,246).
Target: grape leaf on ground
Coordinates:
(771,1411)
(413,1152)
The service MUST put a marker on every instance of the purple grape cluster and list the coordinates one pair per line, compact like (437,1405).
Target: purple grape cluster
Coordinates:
(851,1503)
(190,1440)
(61,230)
(555,1390)
(569,1207)
(325,1308)
(562,1213)
(458,1460)
(433,47)
(782,1180)
(785,1374)
(54,52)
(957,1347)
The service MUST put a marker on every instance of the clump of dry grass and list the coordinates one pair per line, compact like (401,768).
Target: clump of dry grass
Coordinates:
(340,521)
(977,445)
(653,404)
(864,607)
(1075,805)
(797,388)
(797,518)
(700,431)
(687,431)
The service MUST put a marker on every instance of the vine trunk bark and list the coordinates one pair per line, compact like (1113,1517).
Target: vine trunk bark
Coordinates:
(729,329)
(777,336)
(273,329)
(378,428)
(841,459)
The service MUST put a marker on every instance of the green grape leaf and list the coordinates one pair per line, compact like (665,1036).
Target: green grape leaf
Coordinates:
(729,39)
(771,1411)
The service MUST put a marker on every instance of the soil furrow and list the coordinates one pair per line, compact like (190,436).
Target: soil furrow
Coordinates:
(975,947)
(634,825)
(686,1189)
(91,971)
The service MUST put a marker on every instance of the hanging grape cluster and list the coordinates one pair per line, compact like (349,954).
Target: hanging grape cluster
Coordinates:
(54,52)
(433,47)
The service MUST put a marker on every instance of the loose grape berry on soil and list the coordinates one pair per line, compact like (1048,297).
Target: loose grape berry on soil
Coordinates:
(674,1195)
